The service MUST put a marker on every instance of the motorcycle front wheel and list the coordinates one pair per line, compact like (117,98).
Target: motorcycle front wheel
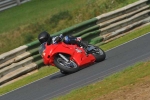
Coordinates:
(64,66)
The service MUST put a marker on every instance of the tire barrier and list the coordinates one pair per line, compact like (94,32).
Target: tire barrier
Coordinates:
(96,31)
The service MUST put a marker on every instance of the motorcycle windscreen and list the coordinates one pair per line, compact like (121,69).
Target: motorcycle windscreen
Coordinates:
(42,48)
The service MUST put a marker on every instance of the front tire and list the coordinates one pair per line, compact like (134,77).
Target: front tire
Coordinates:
(64,66)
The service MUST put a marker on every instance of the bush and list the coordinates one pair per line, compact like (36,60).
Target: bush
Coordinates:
(54,20)
(28,38)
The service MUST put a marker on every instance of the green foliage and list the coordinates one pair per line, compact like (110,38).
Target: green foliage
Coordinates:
(54,20)
(119,1)
(28,38)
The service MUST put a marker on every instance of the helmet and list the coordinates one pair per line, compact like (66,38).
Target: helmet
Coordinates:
(66,39)
(70,39)
(45,37)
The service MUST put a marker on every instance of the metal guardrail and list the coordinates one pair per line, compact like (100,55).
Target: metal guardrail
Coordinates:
(5,4)
(96,30)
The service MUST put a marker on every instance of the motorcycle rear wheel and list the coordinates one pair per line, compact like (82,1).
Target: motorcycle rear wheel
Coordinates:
(64,66)
(99,55)
(63,72)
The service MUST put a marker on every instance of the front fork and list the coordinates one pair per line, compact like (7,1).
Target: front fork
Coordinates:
(69,63)
(63,57)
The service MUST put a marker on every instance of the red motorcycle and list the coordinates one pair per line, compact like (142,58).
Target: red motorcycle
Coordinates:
(70,58)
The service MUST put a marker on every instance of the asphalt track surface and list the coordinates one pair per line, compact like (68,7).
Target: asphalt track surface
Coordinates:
(57,84)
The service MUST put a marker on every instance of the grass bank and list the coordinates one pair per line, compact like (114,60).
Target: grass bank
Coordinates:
(48,70)
(34,11)
(129,77)
(28,20)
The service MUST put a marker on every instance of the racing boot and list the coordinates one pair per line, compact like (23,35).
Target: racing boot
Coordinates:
(83,44)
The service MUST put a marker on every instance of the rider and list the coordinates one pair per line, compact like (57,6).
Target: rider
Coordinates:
(45,37)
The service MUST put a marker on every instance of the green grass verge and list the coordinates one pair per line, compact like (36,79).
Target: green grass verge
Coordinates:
(48,70)
(129,76)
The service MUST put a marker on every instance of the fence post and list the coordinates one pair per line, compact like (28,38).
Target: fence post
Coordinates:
(18,2)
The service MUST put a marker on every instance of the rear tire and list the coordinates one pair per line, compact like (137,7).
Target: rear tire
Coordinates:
(65,67)
(99,55)
(63,72)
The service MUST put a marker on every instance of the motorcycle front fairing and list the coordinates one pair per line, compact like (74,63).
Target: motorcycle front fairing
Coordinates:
(78,54)
(52,50)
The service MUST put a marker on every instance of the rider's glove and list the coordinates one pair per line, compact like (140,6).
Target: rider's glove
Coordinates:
(56,39)
(78,38)
(61,36)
